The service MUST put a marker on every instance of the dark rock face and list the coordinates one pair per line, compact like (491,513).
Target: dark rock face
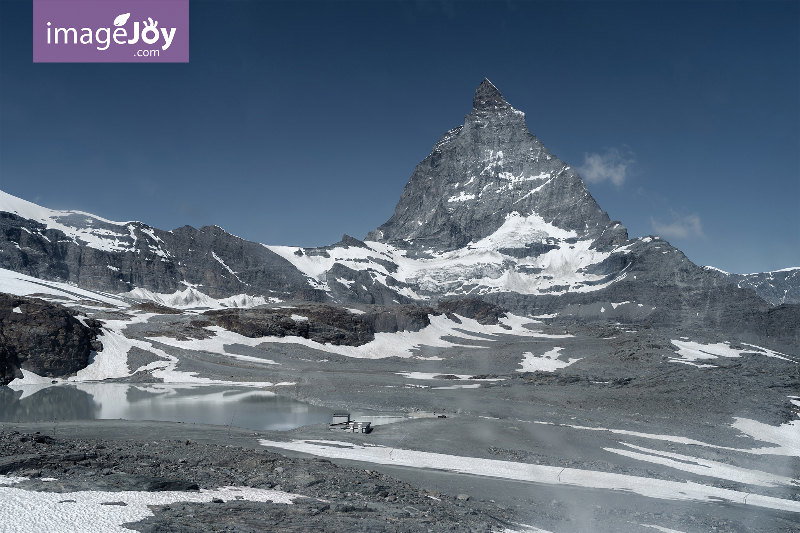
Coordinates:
(479,173)
(248,268)
(780,287)
(43,338)
(136,255)
(399,318)
(488,98)
(339,326)
(151,307)
(483,312)
(325,324)
(364,287)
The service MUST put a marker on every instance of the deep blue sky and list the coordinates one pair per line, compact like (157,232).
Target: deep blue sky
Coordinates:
(296,122)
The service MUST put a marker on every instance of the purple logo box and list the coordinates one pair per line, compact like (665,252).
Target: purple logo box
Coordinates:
(110,31)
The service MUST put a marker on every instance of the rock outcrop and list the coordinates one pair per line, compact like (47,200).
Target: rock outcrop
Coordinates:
(321,323)
(43,338)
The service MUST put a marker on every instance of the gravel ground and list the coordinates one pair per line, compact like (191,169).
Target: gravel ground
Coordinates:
(337,498)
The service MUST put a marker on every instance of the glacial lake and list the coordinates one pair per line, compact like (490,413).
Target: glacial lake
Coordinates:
(243,407)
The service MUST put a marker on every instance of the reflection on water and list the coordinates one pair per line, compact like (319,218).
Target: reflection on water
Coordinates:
(243,407)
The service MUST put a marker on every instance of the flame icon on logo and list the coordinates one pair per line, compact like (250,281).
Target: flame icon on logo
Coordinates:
(122,19)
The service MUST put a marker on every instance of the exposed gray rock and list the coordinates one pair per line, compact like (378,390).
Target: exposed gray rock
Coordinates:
(160,261)
(479,173)
(779,287)
(483,312)
(322,323)
(43,338)
(333,498)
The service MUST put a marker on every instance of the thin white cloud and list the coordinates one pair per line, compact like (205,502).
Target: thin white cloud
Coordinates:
(681,227)
(610,165)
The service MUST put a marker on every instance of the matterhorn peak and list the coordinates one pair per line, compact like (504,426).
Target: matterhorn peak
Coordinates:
(488,98)
(492,175)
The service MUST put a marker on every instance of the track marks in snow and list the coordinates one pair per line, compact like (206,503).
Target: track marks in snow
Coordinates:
(550,475)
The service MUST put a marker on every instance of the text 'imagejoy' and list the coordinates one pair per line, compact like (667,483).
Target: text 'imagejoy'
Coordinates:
(83,31)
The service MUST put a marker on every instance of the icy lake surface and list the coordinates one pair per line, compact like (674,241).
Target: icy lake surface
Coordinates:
(221,405)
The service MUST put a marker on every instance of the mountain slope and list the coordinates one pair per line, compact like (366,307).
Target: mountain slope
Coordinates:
(100,254)
(777,287)
(492,173)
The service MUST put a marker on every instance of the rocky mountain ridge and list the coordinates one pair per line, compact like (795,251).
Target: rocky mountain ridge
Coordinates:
(118,257)
(777,287)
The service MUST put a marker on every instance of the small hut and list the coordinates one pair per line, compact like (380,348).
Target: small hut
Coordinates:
(342,422)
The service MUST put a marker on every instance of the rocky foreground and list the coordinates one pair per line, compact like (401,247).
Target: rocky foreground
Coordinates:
(334,498)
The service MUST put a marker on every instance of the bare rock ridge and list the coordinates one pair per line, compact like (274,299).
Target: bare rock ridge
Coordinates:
(335,325)
(779,287)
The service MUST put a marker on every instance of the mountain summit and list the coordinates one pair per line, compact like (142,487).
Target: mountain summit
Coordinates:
(488,98)
(488,174)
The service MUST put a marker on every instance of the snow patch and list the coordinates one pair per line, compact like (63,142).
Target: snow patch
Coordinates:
(436,375)
(462,197)
(518,230)
(703,467)
(690,352)
(400,344)
(56,512)
(662,529)
(21,285)
(549,362)
(553,475)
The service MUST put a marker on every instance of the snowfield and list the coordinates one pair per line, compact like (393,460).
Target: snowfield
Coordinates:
(401,344)
(21,285)
(548,362)
(690,352)
(560,269)
(26,511)
(191,298)
(85,228)
(551,475)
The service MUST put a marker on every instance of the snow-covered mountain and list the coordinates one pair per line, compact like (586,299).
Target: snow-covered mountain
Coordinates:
(489,213)
(777,287)
(490,183)
(100,254)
